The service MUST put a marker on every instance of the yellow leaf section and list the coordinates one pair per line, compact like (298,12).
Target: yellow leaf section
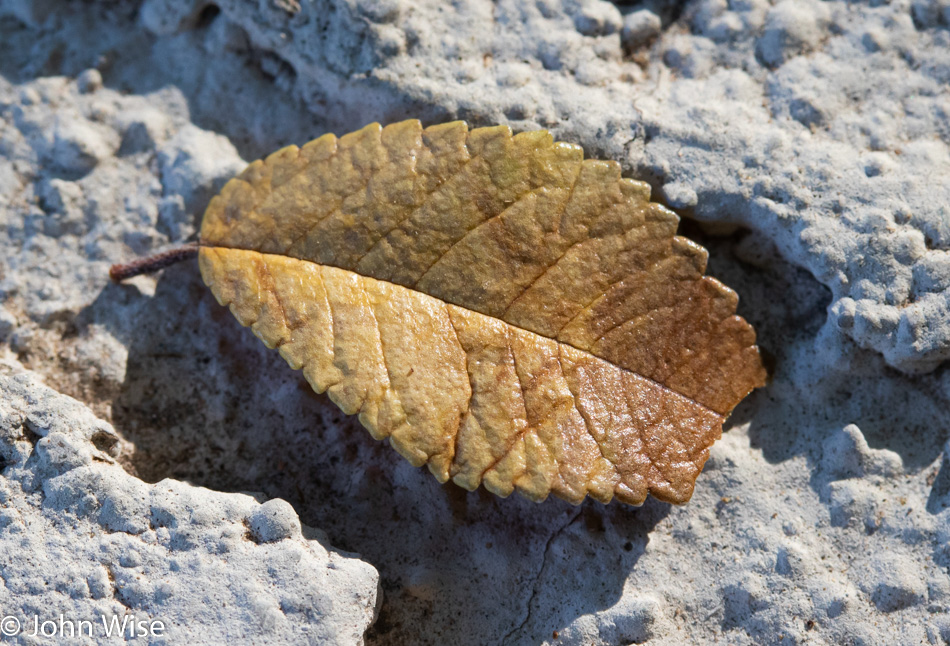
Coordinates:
(477,399)
(519,228)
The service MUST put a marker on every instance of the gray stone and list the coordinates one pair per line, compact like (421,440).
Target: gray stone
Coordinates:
(275,520)
(92,541)
(846,454)
(898,584)
(813,136)
(89,81)
(32,12)
(639,28)
(792,28)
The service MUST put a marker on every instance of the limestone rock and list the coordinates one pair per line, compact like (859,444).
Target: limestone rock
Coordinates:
(828,172)
(94,541)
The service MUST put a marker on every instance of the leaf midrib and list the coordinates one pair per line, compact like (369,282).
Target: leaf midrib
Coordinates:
(661,385)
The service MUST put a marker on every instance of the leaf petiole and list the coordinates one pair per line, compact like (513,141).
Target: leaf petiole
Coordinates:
(153,263)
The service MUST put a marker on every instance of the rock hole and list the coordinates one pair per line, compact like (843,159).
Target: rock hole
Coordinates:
(30,435)
(669,11)
(207,15)
(105,442)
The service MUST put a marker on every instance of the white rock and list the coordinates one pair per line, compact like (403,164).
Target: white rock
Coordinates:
(101,542)
(851,504)
(89,81)
(196,163)
(274,520)
(932,273)
(679,196)
(77,147)
(898,583)
(632,619)
(791,28)
(639,27)
(841,175)
(846,454)
(142,130)
(597,18)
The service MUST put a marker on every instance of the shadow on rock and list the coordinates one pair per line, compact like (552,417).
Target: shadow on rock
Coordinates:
(812,393)
(939,498)
(206,65)
(204,401)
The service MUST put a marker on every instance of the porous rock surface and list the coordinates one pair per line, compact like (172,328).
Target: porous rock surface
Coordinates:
(819,129)
(821,123)
(82,538)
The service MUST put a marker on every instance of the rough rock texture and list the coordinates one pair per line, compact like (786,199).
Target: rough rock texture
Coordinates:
(823,125)
(81,537)
(819,128)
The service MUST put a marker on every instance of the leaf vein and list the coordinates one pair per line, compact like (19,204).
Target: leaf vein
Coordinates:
(511,326)
(577,407)
(471,386)
(415,210)
(390,385)
(478,226)
(524,402)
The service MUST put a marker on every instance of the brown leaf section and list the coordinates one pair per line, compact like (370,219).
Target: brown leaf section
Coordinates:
(500,308)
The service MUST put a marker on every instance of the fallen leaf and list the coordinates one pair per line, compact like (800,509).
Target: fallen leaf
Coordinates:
(496,306)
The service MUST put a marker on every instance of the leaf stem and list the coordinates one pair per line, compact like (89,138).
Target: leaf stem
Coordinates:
(153,263)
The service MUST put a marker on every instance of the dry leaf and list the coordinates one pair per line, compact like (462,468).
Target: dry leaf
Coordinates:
(498,307)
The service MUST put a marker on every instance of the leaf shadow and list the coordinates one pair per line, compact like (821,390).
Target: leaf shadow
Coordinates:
(808,397)
(939,498)
(204,401)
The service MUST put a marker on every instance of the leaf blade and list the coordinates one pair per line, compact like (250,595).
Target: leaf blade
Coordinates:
(359,382)
(531,259)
